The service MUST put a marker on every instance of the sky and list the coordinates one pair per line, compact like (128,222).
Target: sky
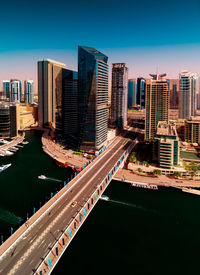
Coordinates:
(147,35)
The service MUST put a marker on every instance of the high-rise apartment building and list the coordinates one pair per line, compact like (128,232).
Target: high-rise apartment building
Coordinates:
(119,100)
(70,104)
(192,130)
(28,91)
(50,93)
(15,90)
(6,87)
(188,94)
(132,88)
(157,103)
(174,93)
(140,95)
(92,98)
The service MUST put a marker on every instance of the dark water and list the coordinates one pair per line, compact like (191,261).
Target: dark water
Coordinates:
(20,188)
(138,232)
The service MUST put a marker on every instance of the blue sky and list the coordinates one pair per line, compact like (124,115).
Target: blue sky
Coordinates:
(145,34)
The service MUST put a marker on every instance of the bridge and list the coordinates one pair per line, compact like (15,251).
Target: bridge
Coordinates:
(37,245)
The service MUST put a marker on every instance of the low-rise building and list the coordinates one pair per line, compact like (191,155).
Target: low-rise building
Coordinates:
(166,145)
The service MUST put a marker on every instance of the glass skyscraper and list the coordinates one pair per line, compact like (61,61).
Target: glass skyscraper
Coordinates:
(28,91)
(6,88)
(140,95)
(132,86)
(188,94)
(119,98)
(92,98)
(70,104)
(15,90)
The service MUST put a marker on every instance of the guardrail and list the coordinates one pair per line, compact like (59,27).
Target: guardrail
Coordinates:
(66,237)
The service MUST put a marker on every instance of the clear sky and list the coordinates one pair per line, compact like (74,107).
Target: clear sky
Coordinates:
(144,34)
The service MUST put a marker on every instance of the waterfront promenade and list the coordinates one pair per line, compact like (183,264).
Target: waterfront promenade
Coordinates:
(61,155)
(125,174)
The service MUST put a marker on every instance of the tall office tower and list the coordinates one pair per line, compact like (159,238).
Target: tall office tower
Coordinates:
(50,93)
(6,87)
(92,98)
(157,103)
(119,95)
(174,93)
(140,95)
(28,91)
(188,94)
(70,104)
(15,90)
(132,87)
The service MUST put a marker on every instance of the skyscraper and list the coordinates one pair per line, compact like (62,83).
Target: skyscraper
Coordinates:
(15,90)
(119,95)
(6,87)
(28,91)
(140,95)
(50,93)
(174,93)
(188,94)
(132,87)
(92,98)
(157,103)
(70,104)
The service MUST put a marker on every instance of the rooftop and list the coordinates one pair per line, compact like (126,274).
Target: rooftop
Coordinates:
(166,129)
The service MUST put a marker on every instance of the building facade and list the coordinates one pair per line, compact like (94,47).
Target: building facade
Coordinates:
(188,94)
(166,145)
(174,93)
(192,130)
(70,103)
(140,95)
(28,91)
(157,103)
(15,91)
(6,88)
(92,98)
(50,93)
(132,87)
(119,99)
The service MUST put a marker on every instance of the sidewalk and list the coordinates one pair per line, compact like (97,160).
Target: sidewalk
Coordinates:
(123,174)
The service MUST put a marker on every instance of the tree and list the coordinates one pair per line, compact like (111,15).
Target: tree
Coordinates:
(157,172)
(177,174)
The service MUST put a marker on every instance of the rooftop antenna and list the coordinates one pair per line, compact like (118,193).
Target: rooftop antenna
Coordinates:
(157,72)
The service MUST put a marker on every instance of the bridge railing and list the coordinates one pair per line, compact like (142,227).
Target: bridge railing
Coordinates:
(66,237)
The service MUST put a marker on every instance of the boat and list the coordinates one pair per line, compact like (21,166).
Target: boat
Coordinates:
(25,142)
(4,167)
(42,177)
(7,153)
(104,197)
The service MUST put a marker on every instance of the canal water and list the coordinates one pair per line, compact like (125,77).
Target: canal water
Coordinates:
(137,232)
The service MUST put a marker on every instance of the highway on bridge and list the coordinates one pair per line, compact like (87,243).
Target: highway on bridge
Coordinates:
(27,254)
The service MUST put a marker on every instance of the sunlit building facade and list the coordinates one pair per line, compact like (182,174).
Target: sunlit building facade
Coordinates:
(50,93)
(132,88)
(157,103)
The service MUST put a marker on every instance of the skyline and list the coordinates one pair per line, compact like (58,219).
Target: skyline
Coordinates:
(144,35)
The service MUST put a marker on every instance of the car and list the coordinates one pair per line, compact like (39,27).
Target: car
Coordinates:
(74,203)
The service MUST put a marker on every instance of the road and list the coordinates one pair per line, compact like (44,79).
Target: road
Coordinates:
(27,254)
